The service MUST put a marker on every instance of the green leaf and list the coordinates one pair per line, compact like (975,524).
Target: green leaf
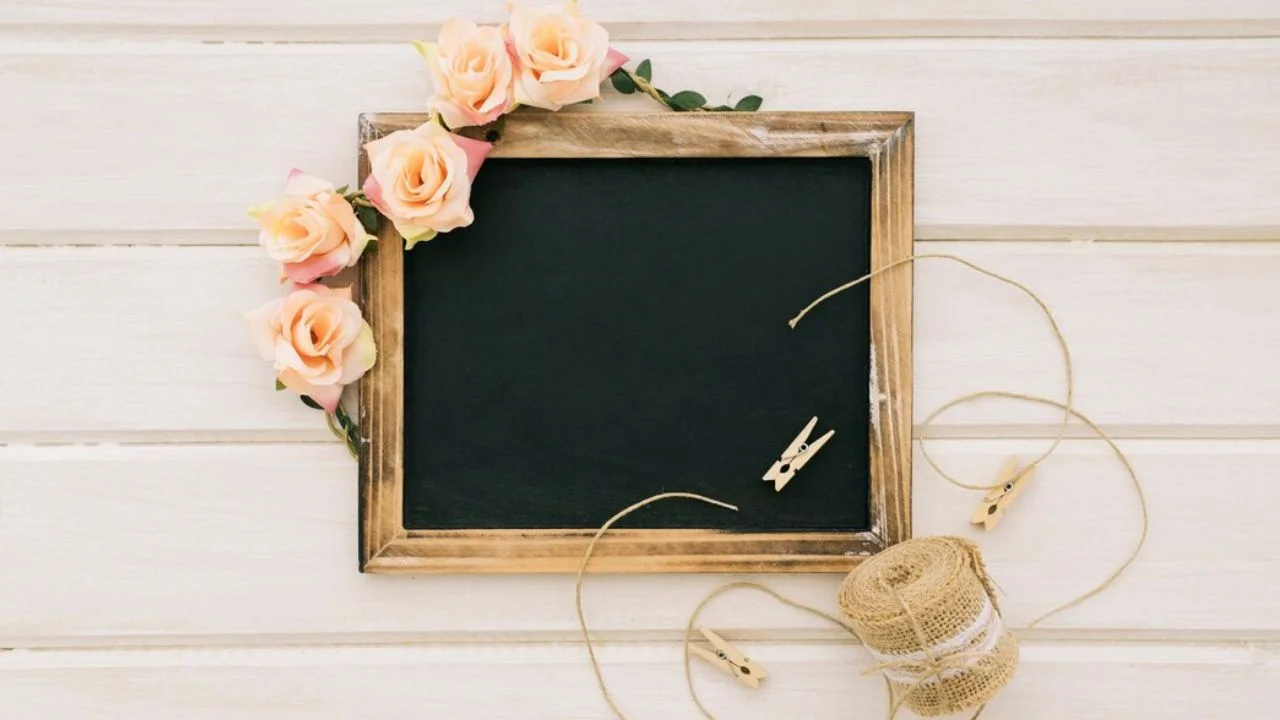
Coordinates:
(645,70)
(722,108)
(622,82)
(342,190)
(688,100)
(279,385)
(750,103)
(311,403)
(369,218)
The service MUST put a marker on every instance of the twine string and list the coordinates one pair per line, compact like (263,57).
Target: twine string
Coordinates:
(1044,309)
(582,573)
(934,664)
(933,670)
(746,585)
(1128,468)
(1067,407)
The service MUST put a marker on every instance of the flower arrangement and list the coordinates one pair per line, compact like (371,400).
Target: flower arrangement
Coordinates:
(547,57)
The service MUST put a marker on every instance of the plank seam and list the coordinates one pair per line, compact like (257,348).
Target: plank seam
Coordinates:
(386,33)
(247,237)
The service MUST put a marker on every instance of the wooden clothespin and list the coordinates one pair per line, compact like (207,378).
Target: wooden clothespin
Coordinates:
(725,656)
(795,456)
(1000,499)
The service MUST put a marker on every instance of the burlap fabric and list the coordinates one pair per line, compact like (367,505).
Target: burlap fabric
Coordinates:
(927,611)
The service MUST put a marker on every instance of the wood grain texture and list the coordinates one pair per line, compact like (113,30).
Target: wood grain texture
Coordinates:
(885,138)
(1169,341)
(1056,681)
(1018,139)
(381,395)
(161,142)
(253,544)
(690,135)
(892,300)
(403,20)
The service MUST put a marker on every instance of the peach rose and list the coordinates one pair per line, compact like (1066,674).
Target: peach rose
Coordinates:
(471,73)
(420,180)
(316,339)
(561,57)
(312,231)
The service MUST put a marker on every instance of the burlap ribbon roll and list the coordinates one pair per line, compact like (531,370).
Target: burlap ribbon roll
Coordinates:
(927,612)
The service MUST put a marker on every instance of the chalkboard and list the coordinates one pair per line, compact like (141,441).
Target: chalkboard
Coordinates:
(610,329)
(614,325)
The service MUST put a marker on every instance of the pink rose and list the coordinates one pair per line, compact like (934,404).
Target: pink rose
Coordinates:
(561,57)
(420,180)
(316,339)
(312,231)
(471,73)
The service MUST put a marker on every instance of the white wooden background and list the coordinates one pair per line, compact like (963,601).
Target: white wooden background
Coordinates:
(178,541)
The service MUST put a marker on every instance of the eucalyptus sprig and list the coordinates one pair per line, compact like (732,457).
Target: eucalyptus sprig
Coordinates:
(629,82)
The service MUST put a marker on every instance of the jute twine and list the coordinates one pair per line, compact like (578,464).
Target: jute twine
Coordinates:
(926,609)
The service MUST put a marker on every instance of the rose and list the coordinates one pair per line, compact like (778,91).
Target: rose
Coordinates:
(561,57)
(312,231)
(471,72)
(316,339)
(420,180)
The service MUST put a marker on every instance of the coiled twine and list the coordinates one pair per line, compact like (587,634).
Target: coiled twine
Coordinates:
(928,613)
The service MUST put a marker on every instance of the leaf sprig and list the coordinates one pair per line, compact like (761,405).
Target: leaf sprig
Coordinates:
(346,430)
(629,82)
(366,213)
(340,424)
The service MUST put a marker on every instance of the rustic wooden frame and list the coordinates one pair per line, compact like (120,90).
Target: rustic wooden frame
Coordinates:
(386,546)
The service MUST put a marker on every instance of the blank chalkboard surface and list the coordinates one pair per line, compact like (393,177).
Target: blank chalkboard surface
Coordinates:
(614,325)
(610,329)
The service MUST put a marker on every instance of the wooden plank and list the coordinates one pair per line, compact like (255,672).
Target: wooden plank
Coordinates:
(1056,681)
(1135,316)
(257,543)
(1066,138)
(142,341)
(1168,340)
(402,20)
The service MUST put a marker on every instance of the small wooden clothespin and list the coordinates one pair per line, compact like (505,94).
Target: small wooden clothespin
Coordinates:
(725,656)
(795,456)
(1000,499)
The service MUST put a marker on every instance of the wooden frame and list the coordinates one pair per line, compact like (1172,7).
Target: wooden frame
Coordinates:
(386,546)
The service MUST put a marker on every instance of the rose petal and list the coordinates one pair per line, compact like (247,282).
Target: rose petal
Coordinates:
(262,329)
(327,396)
(300,184)
(426,50)
(257,211)
(345,215)
(373,191)
(566,75)
(612,62)
(476,150)
(455,30)
(361,354)
(413,235)
(317,266)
